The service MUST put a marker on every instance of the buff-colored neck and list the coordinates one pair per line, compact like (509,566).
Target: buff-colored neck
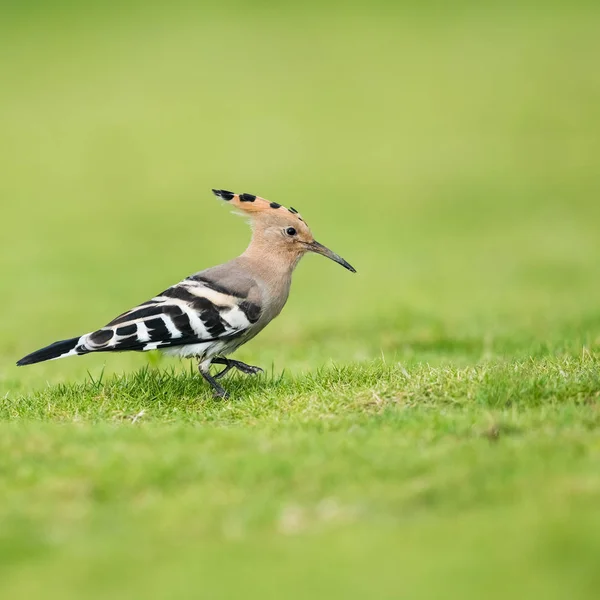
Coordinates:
(273,263)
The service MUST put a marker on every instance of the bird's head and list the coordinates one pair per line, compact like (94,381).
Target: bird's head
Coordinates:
(278,229)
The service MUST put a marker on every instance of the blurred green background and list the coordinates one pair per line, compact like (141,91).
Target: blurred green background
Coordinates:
(449,151)
(452,154)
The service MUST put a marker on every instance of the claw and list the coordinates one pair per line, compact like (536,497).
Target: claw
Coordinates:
(249,369)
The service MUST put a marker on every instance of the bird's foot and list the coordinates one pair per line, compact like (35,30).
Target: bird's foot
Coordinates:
(220,393)
(235,364)
(247,369)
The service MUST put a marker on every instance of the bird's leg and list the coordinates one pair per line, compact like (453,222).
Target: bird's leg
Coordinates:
(218,391)
(234,364)
(226,370)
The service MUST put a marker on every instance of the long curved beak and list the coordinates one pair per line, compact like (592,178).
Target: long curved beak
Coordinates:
(320,249)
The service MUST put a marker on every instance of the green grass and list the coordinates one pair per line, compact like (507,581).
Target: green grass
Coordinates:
(426,428)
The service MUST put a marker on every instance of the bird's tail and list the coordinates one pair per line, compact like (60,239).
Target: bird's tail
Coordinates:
(56,350)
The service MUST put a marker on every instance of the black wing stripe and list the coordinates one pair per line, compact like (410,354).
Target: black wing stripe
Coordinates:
(197,303)
(251,310)
(182,322)
(211,318)
(143,312)
(133,344)
(179,292)
(101,337)
(127,330)
(138,313)
(177,317)
(215,286)
(126,344)
(158,330)
(207,311)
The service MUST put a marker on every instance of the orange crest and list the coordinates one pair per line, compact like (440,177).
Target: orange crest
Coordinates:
(249,203)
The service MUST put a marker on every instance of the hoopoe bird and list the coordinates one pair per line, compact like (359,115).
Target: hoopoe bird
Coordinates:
(212,313)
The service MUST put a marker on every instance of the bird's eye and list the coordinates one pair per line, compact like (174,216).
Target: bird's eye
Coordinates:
(290,231)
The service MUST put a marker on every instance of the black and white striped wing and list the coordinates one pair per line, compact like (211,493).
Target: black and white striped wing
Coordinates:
(191,313)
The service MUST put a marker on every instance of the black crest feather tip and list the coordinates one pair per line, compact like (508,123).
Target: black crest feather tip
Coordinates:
(224,194)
